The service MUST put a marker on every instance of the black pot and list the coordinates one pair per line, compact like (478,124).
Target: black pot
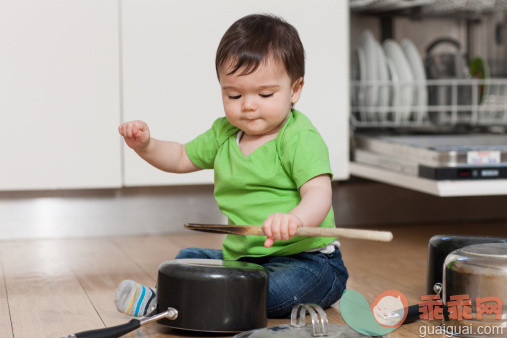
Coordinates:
(203,295)
(478,271)
(440,246)
(212,295)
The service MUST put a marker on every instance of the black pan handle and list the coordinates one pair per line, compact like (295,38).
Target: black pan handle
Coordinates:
(120,330)
(110,332)
(412,314)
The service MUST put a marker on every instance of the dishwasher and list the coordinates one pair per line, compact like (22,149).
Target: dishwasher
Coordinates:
(428,94)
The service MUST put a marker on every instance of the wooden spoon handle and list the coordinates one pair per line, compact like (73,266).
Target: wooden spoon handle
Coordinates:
(371,235)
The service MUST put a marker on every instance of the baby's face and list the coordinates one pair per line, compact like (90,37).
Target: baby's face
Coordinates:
(259,103)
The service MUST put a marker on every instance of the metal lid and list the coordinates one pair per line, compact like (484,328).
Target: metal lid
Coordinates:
(479,259)
(286,330)
(299,328)
(490,250)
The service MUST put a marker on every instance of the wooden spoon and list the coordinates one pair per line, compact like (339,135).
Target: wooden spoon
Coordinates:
(372,235)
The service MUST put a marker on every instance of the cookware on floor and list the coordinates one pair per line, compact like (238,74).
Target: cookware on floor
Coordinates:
(439,246)
(204,295)
(213,295)
(299,328)
(478,274)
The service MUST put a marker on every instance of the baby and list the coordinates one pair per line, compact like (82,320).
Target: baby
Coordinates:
(271,169)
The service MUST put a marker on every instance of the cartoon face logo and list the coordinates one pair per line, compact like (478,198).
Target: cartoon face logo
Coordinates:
(390,308)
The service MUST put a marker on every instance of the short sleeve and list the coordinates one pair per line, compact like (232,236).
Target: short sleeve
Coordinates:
(203,149)
(306,156)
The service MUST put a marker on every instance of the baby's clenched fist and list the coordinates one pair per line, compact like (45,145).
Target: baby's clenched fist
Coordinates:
(136,134)
(280,226)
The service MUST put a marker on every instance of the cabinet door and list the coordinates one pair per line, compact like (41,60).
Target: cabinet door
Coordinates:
(59,94)
(169,77)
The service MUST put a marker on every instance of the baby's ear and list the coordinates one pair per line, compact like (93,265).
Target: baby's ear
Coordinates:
(297,87)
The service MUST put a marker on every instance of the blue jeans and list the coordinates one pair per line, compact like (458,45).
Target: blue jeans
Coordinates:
(308,277)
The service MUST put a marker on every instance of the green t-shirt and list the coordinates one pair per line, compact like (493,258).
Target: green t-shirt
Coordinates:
(250,188)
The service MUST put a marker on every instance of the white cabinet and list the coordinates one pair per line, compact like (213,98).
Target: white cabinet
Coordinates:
(169,79)
(67,67)
(59,94)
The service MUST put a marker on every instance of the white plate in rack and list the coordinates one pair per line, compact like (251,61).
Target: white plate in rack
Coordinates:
(395,97)
(358,75)
(395,53)
(367,43)
(420,91)
(354,77)
(383,76)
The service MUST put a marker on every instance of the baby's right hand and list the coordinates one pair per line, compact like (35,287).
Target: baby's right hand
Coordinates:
(136,134)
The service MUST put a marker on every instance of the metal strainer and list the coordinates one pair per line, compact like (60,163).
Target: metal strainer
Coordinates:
(298,326)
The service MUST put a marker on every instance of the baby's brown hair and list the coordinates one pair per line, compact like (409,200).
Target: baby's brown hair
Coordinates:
(253,39)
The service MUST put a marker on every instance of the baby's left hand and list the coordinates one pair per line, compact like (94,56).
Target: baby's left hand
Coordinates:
(280,226)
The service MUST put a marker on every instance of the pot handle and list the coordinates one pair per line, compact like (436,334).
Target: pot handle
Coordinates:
(110,332)
(451,41)
(120,330)
(412,314)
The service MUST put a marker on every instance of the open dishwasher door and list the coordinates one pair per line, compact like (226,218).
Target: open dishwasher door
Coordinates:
(440,164)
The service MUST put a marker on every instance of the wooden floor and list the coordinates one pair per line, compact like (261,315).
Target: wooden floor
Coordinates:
(52,288)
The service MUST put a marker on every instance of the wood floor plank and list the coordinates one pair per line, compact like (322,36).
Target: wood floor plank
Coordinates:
(374,263)
(5,319)
(150,251)
(402,332)
(100,266)
(45,298)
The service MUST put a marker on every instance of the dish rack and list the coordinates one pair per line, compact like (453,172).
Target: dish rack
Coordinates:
(450,103)
(429,7)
